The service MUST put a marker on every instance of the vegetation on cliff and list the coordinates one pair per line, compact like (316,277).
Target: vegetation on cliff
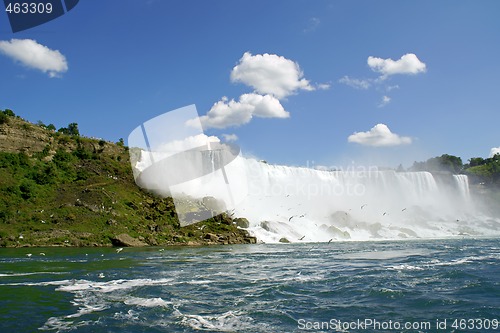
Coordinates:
(59,188)
(483,175)
(484,171)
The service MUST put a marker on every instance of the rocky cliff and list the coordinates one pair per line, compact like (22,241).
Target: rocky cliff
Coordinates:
(68,190)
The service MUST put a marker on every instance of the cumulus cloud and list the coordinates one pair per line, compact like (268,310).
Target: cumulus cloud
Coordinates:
(230,137)
(270,74)
(494,151)
(407,64)
(226,113)
(385,100)
(380,135)
(355,83)
(34,55)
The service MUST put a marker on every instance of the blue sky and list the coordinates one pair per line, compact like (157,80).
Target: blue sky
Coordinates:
(122,62)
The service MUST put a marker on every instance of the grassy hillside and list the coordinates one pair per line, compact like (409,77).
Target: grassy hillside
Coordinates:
(58,188)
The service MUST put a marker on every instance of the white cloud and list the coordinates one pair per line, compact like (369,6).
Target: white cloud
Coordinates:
(355,83)
(494,151)
(270,74)
(407,64)
(380,135)
(391,88)
(385,100)
(31,54)
(226,113)
(323,86)
(230,137)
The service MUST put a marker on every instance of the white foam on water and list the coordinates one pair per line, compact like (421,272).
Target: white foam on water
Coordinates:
(147,302)
(31,273)
(195,282)
(405,267)
(97,296)
(130,315)
(230,321)
(110,286)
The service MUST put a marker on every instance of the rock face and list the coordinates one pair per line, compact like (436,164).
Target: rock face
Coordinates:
(242,222)
(94,183)
(27,138)
(127,240)
(212,237)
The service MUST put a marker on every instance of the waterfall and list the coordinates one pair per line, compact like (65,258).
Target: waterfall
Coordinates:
(462,182)
(292,204)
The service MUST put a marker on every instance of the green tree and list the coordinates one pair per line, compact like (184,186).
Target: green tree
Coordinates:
(63,130)
(9,113)
(475,161)
(73,129)
(444,162)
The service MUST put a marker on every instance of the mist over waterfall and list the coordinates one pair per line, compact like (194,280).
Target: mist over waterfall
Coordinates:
(298,204)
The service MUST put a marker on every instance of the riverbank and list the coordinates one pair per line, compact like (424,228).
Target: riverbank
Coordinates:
(58,188)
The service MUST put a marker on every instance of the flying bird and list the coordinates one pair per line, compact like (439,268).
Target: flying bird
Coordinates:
(363,206)
(302,237)
(403,209)
(119,250)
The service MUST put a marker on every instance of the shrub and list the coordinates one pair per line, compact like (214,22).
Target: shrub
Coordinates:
(9,113)
(3,118)
(28,189)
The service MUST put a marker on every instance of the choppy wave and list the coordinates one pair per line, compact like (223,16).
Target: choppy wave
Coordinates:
(258,288)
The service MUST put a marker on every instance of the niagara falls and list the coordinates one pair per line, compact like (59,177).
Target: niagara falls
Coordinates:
(301,204)
(191,166)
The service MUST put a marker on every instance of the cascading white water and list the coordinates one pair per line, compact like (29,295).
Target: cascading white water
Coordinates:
(462,184)
(291,204)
